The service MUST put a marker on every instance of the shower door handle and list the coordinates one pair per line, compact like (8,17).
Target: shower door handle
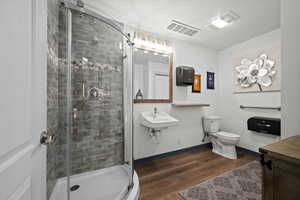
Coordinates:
(46,138)
(75,124)
(75,114)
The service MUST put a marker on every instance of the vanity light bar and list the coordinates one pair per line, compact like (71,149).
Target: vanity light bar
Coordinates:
(151,45)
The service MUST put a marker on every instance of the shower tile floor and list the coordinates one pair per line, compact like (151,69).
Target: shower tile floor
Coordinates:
(163,179)
(111,183)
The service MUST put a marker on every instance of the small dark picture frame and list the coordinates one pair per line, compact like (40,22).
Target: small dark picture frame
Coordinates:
(197,84)
(211,80)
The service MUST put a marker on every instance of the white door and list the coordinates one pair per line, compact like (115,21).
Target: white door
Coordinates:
(23,44)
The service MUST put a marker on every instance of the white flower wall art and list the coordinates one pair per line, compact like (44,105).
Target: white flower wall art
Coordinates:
(259,71)
(259,74)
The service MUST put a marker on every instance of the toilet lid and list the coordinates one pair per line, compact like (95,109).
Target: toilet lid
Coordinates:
(229,135)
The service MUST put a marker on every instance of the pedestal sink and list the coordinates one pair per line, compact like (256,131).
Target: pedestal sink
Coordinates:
(157,121)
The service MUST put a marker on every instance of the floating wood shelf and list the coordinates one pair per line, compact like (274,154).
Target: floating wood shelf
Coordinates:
(190,105)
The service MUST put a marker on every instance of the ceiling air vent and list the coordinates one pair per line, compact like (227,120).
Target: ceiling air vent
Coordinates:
(183,28)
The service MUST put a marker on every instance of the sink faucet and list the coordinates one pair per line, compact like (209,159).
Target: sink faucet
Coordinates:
(155,112)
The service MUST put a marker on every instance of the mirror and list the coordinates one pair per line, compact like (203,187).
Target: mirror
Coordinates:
(152,79)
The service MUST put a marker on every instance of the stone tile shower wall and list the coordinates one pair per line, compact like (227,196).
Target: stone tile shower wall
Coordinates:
(52,93)
(97,138)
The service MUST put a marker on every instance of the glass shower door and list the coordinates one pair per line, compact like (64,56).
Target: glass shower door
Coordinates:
(94,87)
(97,95)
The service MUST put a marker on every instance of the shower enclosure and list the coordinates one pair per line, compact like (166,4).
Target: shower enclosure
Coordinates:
(95,108)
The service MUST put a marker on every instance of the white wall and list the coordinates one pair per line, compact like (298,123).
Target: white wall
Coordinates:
(233,118)
(189,131)
(290,67)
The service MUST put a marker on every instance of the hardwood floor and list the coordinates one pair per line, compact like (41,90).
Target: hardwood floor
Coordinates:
(162,179)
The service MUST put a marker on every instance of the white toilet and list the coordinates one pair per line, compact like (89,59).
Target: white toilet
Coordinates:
(223,142)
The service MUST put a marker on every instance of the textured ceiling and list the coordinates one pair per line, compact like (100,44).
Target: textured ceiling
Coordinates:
(256,17)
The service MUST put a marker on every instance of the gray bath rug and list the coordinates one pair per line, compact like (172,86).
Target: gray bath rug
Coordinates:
(243,183)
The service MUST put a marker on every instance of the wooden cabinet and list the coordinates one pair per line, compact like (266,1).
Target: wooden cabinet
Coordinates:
(281,169)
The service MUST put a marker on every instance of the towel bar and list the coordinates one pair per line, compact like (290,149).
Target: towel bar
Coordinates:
(261,107)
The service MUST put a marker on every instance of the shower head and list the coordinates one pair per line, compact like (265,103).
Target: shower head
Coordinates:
(80,3)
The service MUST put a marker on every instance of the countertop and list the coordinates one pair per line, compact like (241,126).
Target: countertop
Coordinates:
(289,147)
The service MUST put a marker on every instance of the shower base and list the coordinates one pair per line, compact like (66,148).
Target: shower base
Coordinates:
(104,184)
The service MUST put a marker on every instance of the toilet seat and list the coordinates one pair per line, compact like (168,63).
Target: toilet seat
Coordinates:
(227,135)
(228,138)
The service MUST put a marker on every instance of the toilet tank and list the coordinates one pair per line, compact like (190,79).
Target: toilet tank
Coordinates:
(211,124)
